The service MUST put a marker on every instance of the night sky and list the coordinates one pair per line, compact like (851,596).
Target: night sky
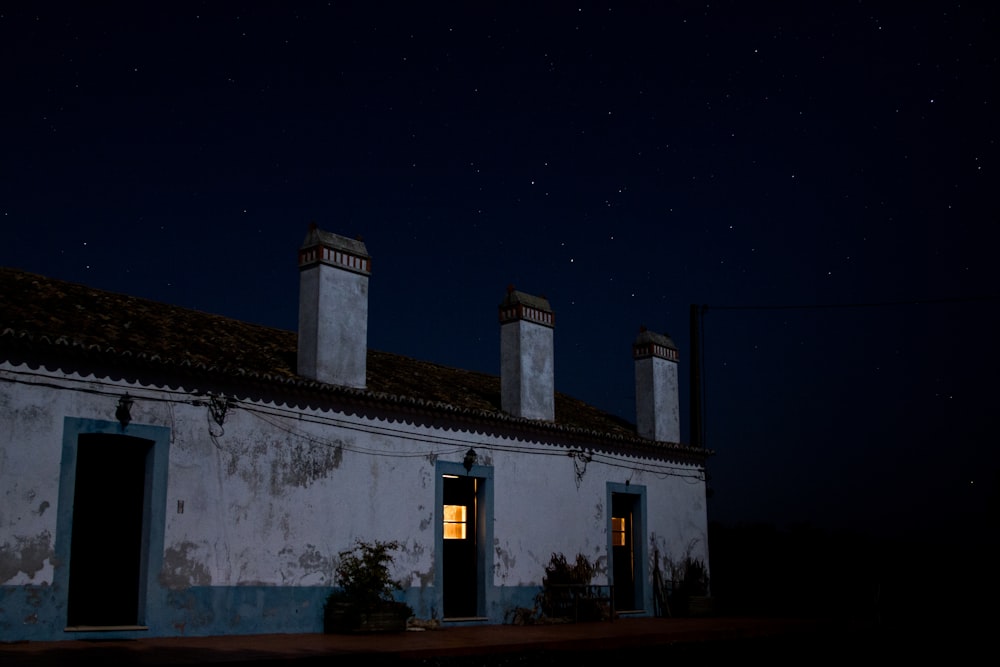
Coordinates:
(820,176)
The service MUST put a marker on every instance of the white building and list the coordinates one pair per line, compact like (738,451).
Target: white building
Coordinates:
(169,472)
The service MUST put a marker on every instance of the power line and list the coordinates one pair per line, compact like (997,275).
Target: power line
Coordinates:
(283,419)
(871,304)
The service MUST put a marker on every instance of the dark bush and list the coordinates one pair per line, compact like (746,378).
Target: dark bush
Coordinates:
(568,592)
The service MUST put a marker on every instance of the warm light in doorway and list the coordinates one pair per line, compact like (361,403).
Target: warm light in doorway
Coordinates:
(618,531)
(454,522)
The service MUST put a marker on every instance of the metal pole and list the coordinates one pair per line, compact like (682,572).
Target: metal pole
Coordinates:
(697,428)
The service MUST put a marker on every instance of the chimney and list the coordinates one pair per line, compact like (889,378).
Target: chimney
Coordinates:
(527,388)
(333,308)
(656,389)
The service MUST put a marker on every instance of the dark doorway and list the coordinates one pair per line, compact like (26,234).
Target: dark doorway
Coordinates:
(623,508)
(460,548)
(106,547)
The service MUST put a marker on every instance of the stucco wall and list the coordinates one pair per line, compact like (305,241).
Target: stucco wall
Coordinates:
(333,321)
(657,400)
(527,358)
(256,509)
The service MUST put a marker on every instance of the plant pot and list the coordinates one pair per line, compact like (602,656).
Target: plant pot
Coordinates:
(342,618)
(387,620)
(700,605)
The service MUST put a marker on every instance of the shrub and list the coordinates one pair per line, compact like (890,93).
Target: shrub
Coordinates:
(363,574)
(365,586)
(684,580)
(567,592)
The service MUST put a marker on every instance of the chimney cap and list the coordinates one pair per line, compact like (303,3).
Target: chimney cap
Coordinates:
(646,336)
(515,298)
(316,236)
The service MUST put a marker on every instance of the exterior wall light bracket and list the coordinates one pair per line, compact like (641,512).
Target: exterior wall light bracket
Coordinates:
(469,460)
(123,411)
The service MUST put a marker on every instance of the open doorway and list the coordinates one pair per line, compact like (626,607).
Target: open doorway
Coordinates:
(626,544)
(463,494)
(109,536)
(460,547)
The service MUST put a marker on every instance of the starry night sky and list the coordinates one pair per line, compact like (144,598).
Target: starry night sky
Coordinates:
(820,176)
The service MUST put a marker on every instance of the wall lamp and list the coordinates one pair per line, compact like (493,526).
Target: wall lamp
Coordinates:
(469,460)
(123,412)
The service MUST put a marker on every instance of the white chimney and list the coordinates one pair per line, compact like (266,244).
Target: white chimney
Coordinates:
(527,360)
(333,308)
(657,408)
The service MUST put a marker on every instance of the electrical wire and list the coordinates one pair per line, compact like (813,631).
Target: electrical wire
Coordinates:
(873,304)
(271,415)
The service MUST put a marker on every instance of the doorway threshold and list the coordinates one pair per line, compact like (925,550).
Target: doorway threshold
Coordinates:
(104,628)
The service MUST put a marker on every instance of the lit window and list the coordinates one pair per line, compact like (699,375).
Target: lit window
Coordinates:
(454,522)
(618,531)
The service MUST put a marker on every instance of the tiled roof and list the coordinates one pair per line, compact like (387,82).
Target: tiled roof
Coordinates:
(50,317)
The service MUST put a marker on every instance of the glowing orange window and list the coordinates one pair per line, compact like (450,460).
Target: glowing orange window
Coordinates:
(618,531)
(455,522)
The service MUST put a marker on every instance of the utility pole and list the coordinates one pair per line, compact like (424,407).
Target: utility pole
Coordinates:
(697,428)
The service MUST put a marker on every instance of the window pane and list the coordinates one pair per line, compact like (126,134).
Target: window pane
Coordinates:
(454,513)
(454,531)
(617,531)
(454,522)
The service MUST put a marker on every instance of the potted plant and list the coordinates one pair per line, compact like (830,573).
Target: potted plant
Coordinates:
(568,593)
(363,600)
(684,592)
(690,588)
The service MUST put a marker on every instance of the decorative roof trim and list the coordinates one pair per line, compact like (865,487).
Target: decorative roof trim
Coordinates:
(322,247)
(647,350)
(622,443)
(520,311)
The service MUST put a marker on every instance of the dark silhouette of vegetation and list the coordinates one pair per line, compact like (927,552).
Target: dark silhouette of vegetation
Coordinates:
(364,599)
(683,582)
(568,591)
(568,594)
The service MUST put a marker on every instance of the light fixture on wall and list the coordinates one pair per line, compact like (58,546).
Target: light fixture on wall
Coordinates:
(123,412)
(469,460)
(218,406)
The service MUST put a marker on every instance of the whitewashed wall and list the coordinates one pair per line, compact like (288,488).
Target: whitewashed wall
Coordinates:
(266,500)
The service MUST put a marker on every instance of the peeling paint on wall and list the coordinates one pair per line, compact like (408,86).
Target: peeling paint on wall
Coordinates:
(313,559)
(27,556)
(309,568)
(505,561)
(244,459)
(181,570)
(304,464)
(601,564)
(426,579)
(428,521)
(411,554)
(416,552)
(31,414)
